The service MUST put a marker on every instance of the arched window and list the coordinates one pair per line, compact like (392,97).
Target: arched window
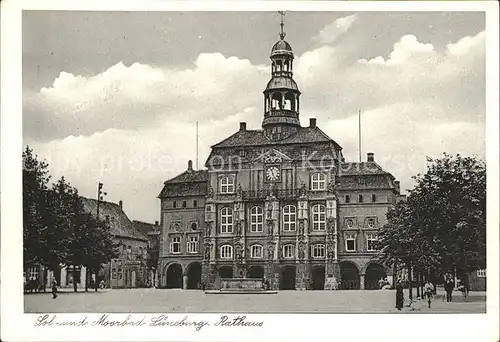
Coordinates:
(226,252)
(226,185)
(318,181)
(289,101)
(319,217)
(226,220)
(257,251)
(318,251)
(256,219)
(288,251)
(289,217)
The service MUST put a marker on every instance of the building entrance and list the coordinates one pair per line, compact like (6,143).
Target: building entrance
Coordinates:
(318,278)
(174,276)
(194,275)
(287,281)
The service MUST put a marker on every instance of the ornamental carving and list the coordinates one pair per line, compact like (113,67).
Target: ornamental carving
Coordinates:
(208,250)
(331,187)
(270,251)
(238,228)
(301,250)
(208,229)
(301,227)
(303,189)
(210,192)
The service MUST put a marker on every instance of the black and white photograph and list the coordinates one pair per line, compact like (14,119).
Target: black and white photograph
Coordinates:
(252,161)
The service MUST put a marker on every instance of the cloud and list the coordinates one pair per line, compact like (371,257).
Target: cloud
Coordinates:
(132,127)
(129,97)
(331,32)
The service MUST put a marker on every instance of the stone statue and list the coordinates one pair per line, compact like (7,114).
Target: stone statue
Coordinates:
(238,228)
(208,229)
(207,252)
(301,227)
(239,191)
(303,189)
(331,187)
(270,251)
(301,251)
(210,192)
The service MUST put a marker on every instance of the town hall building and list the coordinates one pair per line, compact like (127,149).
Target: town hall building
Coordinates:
(279,202)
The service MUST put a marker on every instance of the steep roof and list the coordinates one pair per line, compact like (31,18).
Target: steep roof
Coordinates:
(361,169)
(364,175)
(304,135)
(146,228)
(117,219)
(188,183)
(189,176)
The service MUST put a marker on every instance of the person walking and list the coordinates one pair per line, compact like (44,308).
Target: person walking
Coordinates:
(428,292)
(399,295)
(449,285)
(54,289)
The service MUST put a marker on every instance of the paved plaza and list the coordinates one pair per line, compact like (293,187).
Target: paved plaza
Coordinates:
(179,301)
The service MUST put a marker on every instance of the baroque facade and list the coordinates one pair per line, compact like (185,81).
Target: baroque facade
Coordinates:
(279,203)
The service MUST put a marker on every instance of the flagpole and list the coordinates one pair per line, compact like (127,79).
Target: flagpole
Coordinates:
(197,145)
(359,134)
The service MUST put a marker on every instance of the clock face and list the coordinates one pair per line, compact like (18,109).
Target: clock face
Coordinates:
(273,173)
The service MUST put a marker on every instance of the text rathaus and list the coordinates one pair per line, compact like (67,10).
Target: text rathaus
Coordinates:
(279,203)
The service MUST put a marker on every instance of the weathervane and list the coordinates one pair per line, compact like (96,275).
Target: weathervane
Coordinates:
(282,33)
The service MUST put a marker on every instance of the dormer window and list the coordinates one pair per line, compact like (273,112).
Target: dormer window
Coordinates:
(318,181)
(226,185)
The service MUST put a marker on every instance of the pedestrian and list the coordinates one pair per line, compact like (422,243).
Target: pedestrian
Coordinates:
(54,289)
(449,285)
(399,295)
(428,292)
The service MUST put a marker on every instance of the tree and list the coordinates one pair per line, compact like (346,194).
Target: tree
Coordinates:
(442,223)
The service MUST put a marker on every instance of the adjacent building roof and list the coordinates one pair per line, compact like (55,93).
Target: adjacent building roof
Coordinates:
(189,183)
(146,228)
(360,169)
(117,219)
(304,135)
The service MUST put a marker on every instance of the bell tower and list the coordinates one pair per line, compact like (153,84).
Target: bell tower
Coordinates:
(281,96)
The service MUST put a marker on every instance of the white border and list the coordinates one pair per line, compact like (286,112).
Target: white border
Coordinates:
(17,326)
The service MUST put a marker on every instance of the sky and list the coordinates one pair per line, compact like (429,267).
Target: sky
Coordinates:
(114,97)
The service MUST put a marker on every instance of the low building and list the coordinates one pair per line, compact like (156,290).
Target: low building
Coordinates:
(152,231)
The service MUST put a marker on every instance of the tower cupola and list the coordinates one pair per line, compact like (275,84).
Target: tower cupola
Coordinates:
(281,96)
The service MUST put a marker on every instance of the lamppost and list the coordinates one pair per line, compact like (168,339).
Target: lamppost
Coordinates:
(100,197)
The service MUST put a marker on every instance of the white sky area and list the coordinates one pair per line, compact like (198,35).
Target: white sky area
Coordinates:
(114,97)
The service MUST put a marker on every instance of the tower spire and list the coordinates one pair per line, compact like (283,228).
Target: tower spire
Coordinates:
(282,32)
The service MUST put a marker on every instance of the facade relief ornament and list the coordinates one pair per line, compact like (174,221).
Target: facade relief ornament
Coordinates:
(238,228)
(331,187)
(301,227)
(270,251)
(301,251)
(210,192)
(208,229)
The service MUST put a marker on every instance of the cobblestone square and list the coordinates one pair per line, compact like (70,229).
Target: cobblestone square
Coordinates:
(180,301)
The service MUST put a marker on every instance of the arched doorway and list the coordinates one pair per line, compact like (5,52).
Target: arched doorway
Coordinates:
(350,276)
(374,272)
(318,278)
(194,275)
(256,272)
(174,276)
(226,272)
(133,279)
(287,280)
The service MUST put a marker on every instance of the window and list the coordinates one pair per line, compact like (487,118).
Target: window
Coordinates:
(175,245)
(318,181)
(256,251)
(139,254)
(288,251)
(174,204)
(194,226)
(184,204)
(227,185)
(318,251)
(350,242)
(371,239)
(319,217)
(226,220)
(347,199)
(481,273)
(33,273)
(289,217)
(349,222)
(374,198)
(195,203)
(360,198)
(242,153)
(256,219)
(226,252)
(371,222)
(192,245)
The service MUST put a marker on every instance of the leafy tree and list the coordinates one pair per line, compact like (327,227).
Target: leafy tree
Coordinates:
(442,223)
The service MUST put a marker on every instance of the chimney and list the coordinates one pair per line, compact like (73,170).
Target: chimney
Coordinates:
(370,157)
(120,203)
(156,223)
(342,159)
(312,122)
(190,165)
(243,126)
